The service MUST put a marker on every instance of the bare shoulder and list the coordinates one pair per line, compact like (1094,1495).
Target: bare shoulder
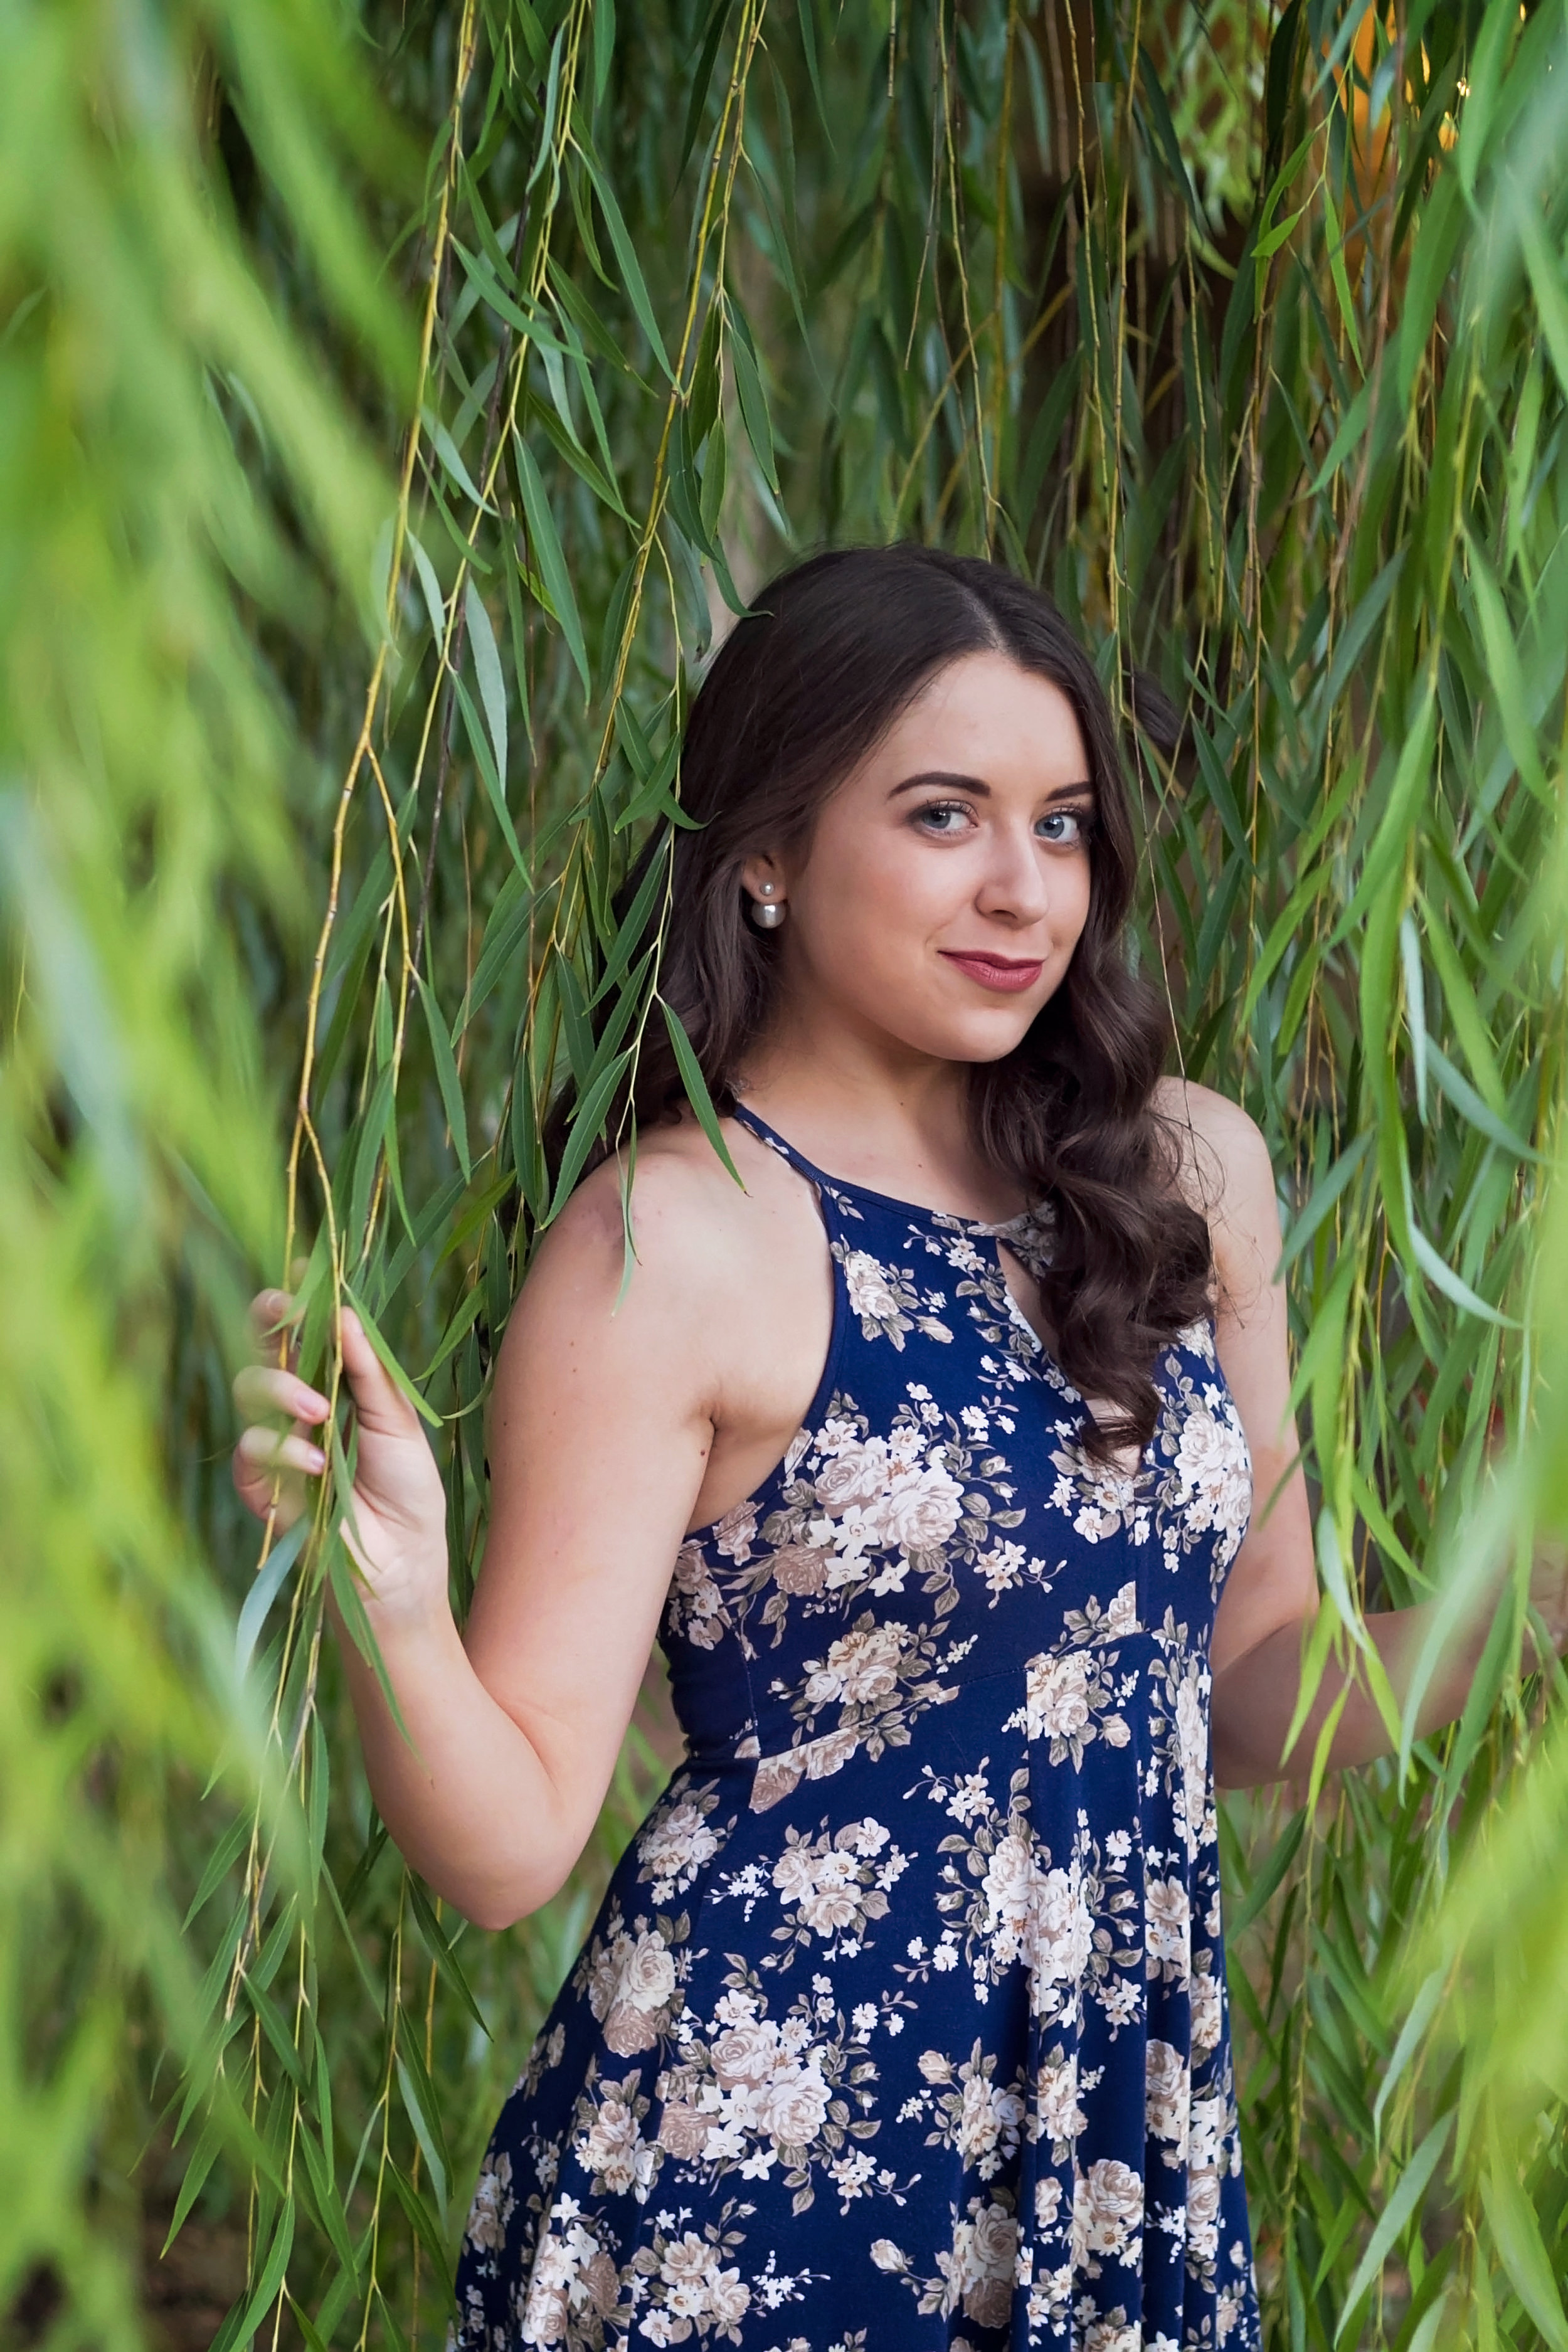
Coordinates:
(1223,1171)
(1222,1160)
(673,1209)
(696,1239)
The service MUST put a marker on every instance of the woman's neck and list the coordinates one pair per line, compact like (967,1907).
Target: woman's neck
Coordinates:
(894,1122)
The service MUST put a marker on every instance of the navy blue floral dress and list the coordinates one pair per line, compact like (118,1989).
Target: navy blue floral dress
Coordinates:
(903,2021)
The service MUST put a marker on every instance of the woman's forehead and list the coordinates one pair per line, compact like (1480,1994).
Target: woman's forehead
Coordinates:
(985,716)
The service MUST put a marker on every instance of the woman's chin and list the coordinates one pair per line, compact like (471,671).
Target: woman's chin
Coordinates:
(983,1035)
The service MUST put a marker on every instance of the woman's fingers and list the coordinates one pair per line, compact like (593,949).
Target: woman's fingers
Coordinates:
(397,1488)
(276,1323)
(271,1311)
(271,1450)
(267,1388)
(383,1411)
(275,1495)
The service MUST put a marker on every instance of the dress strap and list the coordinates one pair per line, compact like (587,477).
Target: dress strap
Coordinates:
(831,1205)
(782,1144)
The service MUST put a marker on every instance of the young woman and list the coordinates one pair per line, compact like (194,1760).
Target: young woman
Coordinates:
(949,1458)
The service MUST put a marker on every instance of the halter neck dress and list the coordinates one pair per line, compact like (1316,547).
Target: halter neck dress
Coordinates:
(903,2021)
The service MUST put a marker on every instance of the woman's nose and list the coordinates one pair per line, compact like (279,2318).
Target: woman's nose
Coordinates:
(1016,883)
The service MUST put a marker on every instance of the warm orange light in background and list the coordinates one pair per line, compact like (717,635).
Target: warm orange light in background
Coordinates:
(1369,140)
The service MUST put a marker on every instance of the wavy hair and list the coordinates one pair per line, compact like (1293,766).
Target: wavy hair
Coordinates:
(832,653)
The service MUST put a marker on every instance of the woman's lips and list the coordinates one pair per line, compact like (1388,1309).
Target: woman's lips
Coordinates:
(1006,974)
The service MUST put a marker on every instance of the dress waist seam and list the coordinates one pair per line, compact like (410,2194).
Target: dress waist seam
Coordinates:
(749,1753)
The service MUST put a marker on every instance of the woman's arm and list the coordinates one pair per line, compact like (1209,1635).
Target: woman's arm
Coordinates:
(602,1422)
(1270,1600)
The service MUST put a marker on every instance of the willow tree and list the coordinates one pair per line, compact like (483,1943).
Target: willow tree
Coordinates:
(1243,330)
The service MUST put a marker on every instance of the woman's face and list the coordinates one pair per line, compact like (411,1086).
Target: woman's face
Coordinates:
(946,883)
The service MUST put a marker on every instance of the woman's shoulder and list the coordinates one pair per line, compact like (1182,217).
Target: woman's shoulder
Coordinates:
(1223,1171)
(692,1229)
(1217,1142)
(647,1297)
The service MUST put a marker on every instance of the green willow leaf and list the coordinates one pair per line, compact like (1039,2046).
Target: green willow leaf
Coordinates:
(1411,2035)
(1507,675)
(1324,1196)
(576,457)
(546,542)
(505,933)
(484,760)
(1268,1878)
(446,1077)
(451,458)
(440,1946)
(1518,2238)
(753,399)
(1438,1270)
(551,97)
(587,1125)
(434,602)
(418,2103)
(428,2228)
(242,2324)
(695,1086)
(389,1362)
(269,1580)
(1545,269)
(492,685)
(220,1862)
(1466,1101)
(457,1332)
(1398,2212)
(701,78)
(626,259)
(198,2167)
(635,927)
(603,46)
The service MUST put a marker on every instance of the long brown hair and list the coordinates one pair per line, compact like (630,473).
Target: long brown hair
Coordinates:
(831,653)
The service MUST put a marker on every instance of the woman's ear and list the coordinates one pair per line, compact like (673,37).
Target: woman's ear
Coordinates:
(763,878)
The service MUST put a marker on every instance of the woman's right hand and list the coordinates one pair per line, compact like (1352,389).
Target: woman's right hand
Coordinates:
(398,1536)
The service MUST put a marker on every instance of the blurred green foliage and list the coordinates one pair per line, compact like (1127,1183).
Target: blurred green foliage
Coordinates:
(364,524)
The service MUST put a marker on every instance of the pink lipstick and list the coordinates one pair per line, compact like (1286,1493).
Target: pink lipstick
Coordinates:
(1008,975)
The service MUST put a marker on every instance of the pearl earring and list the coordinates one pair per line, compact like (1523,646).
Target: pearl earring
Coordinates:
(767,916)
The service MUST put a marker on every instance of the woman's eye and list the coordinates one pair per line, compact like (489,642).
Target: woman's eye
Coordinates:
(943,818)
(1064,828)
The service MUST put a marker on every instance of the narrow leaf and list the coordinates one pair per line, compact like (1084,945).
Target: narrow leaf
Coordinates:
(696,1086)
(389,1362)
(1412,2034)
(545,540)
(487,670)
(1267,1879)
(754,400)
(626,254)
(451,458)
(1412,2188)
(265,1589)
(446,1077)
(587,1121)
(1517,2238)
(484,760)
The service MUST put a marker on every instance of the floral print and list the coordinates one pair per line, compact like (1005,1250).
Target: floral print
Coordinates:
(904,2017)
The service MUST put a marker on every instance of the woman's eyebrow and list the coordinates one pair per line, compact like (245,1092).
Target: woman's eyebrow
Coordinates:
(942,776)
(977,785)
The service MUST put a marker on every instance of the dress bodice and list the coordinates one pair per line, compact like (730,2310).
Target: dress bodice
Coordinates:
(937,1519)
